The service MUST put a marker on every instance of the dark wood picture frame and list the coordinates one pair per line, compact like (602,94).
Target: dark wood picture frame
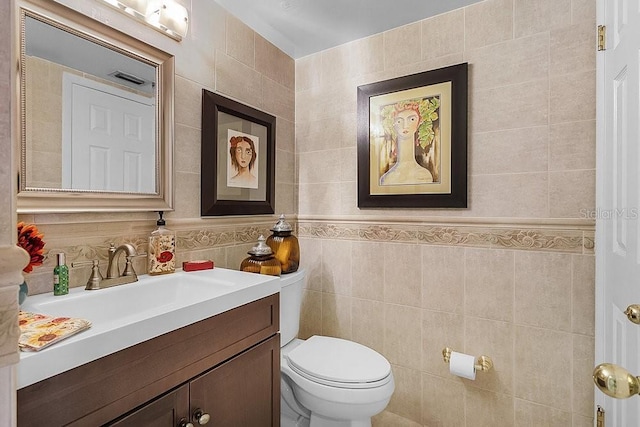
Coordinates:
(440,95)
(222,117)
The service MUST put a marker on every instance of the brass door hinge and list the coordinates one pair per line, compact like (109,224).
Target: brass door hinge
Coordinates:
(602,37)
(600,417)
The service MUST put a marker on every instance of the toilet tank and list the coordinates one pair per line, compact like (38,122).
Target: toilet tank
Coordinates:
(291,286)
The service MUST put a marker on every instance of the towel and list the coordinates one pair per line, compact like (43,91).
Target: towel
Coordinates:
(38,331)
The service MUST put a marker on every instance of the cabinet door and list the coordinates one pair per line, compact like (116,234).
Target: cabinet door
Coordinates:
(165,411)
(244,391)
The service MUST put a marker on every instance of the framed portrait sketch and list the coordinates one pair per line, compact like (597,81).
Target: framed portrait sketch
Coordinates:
(237,158)
(412,141)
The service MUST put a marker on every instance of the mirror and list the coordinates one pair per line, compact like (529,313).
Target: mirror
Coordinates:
(96,116)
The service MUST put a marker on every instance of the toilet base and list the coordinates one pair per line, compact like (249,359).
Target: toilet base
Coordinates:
(299,417)
(320,421)
(293,421)
(290,417)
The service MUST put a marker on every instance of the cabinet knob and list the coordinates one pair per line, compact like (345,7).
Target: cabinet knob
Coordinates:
(201,417)
(184,423)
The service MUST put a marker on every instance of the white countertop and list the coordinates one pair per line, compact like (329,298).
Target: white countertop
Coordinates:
(129,314)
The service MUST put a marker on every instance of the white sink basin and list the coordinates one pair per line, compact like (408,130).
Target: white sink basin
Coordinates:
(128,314)
(133,300)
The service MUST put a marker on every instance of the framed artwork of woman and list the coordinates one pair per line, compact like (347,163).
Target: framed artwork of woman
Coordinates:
(410,150)
(412,140)
(242,167)
(237,167)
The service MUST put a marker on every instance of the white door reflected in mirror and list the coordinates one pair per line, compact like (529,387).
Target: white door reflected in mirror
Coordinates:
(108,138)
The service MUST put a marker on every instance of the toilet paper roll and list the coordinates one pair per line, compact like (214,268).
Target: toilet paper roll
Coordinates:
(462,365)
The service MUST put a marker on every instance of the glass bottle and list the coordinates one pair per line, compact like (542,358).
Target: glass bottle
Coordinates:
(261,260)
(60,276)
(285,246)
(162,249)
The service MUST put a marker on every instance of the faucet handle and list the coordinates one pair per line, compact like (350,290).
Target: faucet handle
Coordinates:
(128,267)
(95,277)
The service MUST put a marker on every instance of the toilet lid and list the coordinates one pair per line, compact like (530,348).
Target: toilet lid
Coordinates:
(334,361)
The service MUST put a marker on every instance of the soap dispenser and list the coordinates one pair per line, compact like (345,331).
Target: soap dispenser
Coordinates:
(162,249)
(285,246)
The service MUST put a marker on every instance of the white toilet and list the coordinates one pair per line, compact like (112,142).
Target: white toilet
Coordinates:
(326,382)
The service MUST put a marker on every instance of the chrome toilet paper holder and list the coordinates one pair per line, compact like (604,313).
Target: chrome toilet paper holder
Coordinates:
(483,363)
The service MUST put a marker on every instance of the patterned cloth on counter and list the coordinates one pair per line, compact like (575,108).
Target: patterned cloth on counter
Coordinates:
(38,331)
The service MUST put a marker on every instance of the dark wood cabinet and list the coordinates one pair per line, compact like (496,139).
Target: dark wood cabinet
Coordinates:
(227,365)
(164,411)
(233,394)
(244,391)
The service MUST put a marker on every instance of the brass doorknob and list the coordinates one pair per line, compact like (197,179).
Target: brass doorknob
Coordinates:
(615,381)
(633,313)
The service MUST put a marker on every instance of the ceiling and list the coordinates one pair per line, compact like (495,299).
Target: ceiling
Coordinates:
(302,27)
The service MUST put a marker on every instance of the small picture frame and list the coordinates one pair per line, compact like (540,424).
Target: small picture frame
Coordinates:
(412,141)
(237,158)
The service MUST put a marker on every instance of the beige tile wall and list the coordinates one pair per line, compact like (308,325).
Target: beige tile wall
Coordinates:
(531,109)
(512,276)
(408,282)
(220,54)
(525,299)
(44,123)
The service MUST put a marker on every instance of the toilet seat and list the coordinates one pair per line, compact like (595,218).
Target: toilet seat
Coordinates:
(339,363)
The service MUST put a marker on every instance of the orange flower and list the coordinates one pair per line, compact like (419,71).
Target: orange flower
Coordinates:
(30,240)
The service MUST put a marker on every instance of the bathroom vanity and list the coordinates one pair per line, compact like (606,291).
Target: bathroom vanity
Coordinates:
(222,370)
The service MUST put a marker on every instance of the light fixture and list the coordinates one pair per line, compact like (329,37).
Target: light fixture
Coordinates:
(166,16)
(137,8)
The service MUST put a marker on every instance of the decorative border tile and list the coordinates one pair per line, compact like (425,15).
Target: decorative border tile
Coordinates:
(525,238)
(328,231)
(88,243)
(250,234)
(387,233)
(197,235)
(589,242)
(199,239)
(452,236)
(90,250)
(569,241)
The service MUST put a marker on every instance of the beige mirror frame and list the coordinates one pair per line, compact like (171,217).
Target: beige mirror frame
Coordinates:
(49,200)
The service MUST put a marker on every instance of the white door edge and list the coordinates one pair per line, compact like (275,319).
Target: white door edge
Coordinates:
(600,323)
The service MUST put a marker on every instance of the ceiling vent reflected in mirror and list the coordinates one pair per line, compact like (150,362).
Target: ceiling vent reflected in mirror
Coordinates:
(128,78)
